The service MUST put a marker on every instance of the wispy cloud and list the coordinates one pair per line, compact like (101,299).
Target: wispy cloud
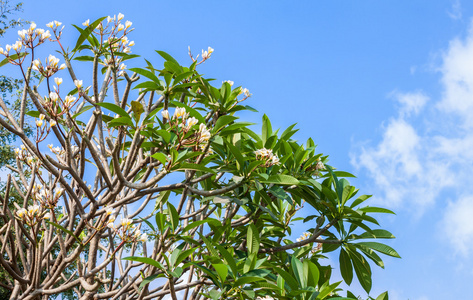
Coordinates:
(426,150)
(456,12)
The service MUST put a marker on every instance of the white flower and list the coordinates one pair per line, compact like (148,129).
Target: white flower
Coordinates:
(204,133)
(57,24)
(47,216)
(120,27)
(58,192)
(69,100)
(229,82)
(303,237)
(8,47)
(51,24)
(41,117)
(32,26)
(39,31)
(45,35)
(2,51)
(53,96)
(39,123)
(33,209)
(191,122)
(111,226)
(78,83)
(246,92)
(21,212)
(128,24)
(126,222)
(120,17)
(179,112)
(22,33)
(37,63)
(52,123)
(132,43)
(165,114)
(62,67)
(109,210)
(86,23)
(109,19)
(58,81)
(144,237)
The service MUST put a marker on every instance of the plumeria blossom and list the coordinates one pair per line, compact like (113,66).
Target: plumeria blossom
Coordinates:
(86,23)
(191,122)
(304,237)
(206,54)
(268,156)
(78,83)
(179,112)
(109,210)
(165,114)
(204,133)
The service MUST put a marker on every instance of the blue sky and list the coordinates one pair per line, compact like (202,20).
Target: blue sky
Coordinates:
(384,87)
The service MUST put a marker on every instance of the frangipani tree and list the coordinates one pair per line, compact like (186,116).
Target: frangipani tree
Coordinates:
(153,187)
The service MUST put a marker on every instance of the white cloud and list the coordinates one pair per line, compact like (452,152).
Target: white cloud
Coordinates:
(458,223)
(428,147)
(412,103)
(456,12)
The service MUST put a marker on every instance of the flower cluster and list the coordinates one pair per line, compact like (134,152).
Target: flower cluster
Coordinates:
(303,237)
(32,215)
(182,120)
(24,155)
(206,54)
(27,39)
(268,156)
(50,68)
(117,40)
(127,231)
(46,197)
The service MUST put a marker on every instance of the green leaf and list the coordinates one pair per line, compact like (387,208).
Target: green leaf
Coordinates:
(385,249)
(228,258)
(376,234)
(281,179)
(222,271)
(372,209)
(174,216)
(312,272)
(167,57)
(346,268)
(115,108)
(298,270)
(33,113)
(137,109)
(252,239)
(195,224)
(150,279)
(223,121)
(82,110)
(65,230)
(146,260)
(12,57)
(84,58)
(267,130)
(86,32)
(147,74)
(362,270)
(196,167)
(160,157)
(383,296)
(183,255)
